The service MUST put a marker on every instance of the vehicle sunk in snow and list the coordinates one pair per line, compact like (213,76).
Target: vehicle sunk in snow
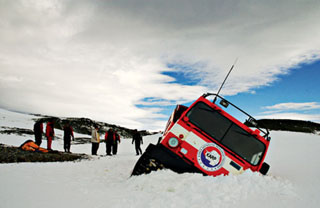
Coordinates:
(207,139)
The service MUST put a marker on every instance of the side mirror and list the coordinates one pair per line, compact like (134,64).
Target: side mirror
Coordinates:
(264,168)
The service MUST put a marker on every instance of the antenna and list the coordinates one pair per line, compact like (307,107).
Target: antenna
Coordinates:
(225,80)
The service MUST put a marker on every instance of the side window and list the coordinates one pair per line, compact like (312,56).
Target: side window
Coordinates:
(168,123)
(178,112)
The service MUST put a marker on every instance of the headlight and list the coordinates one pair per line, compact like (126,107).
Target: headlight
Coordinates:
(173,142)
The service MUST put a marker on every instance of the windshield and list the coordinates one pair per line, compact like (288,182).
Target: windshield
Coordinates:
(226,132)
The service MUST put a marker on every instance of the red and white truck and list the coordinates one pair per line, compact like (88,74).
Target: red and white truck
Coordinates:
(208,138)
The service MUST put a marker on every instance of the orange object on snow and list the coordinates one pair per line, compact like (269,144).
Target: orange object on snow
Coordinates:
(30,145)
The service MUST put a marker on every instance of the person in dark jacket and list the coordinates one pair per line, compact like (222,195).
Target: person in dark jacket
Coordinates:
(137,138)
(38,131)
(110,138)
(49,133)
(115,143)
(68,133)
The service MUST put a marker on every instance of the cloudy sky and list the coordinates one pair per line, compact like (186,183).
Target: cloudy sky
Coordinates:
(129,62)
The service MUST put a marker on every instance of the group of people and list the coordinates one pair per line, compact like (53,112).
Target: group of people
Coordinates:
(112,138)
(38,131)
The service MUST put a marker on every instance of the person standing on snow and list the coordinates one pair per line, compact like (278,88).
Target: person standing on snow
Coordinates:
(49,133)
(115,143)
(137,138)
(110,138)
(68,133)
(38,131)
(95,140)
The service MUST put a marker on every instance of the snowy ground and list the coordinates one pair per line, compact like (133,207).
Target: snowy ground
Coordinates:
(105,181)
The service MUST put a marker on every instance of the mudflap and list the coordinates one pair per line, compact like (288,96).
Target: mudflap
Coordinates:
(157,157)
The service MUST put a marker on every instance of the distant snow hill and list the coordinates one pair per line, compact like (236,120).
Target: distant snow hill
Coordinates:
(80,125)
(289,125)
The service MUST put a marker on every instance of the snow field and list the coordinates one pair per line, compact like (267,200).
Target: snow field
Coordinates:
(105,181)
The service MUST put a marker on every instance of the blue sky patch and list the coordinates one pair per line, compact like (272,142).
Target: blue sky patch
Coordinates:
(297,86)
(184,74)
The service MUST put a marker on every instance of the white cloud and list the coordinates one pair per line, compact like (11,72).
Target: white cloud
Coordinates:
(297,111)
(294,106)
(100,59)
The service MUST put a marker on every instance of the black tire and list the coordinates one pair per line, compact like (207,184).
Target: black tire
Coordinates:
(264,168)
(145,165)
(158,157)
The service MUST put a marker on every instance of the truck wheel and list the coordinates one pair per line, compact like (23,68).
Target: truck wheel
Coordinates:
(264,168)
